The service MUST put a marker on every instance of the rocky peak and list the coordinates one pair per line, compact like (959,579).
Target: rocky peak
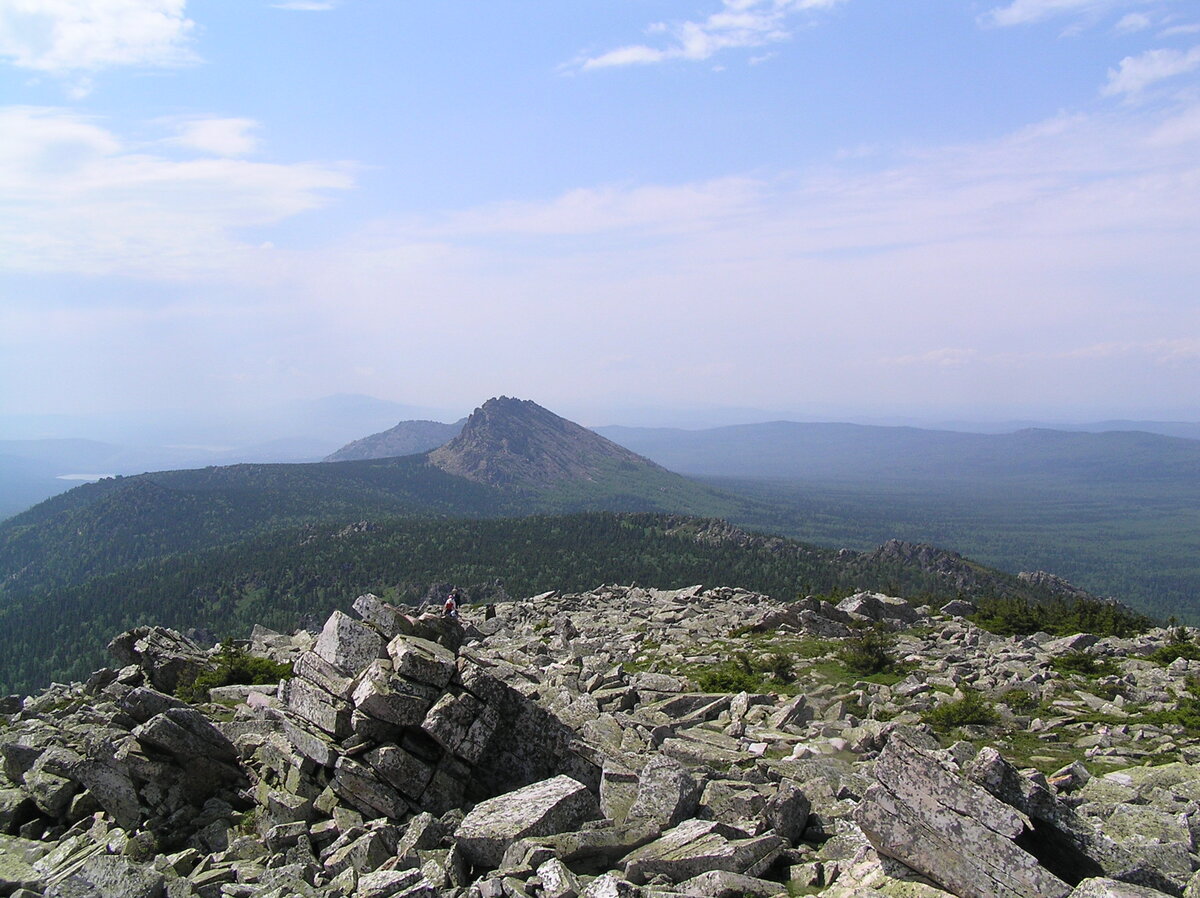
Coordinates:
(515,442)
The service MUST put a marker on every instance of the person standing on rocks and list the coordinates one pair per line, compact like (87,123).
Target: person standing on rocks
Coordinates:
(450,609)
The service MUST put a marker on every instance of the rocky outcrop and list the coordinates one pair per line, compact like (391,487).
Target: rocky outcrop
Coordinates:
(622,742)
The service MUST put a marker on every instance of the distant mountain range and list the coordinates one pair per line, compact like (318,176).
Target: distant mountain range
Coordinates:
(512,458)
(406,438)
(856,453)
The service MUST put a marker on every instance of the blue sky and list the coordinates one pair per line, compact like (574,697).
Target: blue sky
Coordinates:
(816,208)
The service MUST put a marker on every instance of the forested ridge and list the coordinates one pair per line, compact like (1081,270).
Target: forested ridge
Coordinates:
(284,578)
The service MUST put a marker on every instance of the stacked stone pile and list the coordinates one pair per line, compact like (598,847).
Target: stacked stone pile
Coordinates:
(560,746)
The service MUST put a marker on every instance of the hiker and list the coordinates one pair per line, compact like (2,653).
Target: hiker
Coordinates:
(450,609)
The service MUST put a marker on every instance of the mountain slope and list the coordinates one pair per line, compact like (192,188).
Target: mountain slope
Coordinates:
(520,458)
(514,442)
(283,577)
(406,438)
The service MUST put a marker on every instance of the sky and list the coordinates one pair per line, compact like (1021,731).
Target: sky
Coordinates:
(813,208)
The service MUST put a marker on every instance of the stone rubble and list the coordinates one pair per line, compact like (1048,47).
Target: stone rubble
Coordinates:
(584,746)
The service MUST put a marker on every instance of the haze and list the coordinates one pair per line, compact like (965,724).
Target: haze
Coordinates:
(834,209)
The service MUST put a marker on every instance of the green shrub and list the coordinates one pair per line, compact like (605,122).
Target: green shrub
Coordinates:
(780,667)
(728,676)
(1059,617)
(1179,646)
(1019,701)
(869,653)
(1083,663)
(971,709)
(741,673)
(235,667)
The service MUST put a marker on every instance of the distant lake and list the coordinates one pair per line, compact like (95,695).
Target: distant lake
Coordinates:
(87,478)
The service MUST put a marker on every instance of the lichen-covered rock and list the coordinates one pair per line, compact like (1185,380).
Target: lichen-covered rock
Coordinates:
(552,806)
(666,793)
(949,829)
(698,846)
(349,644)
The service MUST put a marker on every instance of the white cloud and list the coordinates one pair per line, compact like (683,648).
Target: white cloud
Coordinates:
(738,24)
(218,136)
(1166,352)
(650,209)
(307,5)
(1177,30)
(1024,12)
(78,198)
(1136,73)
(1134,21)
(939,358)
(64,37)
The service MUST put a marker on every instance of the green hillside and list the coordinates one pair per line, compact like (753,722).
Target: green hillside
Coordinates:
(283,578)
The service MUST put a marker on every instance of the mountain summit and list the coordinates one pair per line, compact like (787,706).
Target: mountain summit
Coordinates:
(515,442)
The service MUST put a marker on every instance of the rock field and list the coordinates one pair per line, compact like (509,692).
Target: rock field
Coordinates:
(622,742)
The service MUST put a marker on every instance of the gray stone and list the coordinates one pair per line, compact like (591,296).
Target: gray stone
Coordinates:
(959,608)
(168,658)
(117,877)
(395,883)
(349,644)
(364,854)
(450,718)
(1099,887)
(879,607)
(382,695)
(16,872)
(609,885)
(312,667)
(318,707)
(311,742)
(187,734)
(113,789)
(406,772)
(666,793)
(422,660)
(723,884)
(557,879)
(551,806)
(50,792)
(389,619)
(359,785)
(698,846)
(141,703)
(949,829)
(787,812)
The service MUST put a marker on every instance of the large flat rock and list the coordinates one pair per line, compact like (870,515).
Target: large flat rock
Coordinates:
(552,806)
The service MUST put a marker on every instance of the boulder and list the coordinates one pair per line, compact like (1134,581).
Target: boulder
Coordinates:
(666,793)
(723,884)
(168,658)
(699,846)
(379,693)
(349,644)
(878,607)
(552,806)
(949,829)
(422,660)
(1099,887)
